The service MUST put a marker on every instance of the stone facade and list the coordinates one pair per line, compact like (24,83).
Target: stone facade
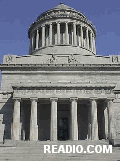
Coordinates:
(62,90)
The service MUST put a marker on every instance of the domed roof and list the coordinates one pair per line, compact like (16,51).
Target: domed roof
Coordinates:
(61,11)
(62,6)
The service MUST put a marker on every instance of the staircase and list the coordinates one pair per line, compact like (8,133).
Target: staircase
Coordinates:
(34,151)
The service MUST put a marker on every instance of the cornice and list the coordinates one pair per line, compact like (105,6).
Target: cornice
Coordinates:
(59,67)
(63,85)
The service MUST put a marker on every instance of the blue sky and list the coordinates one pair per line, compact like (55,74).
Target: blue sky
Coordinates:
(17,15)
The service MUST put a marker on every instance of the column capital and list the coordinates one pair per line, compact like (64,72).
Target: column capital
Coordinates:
(43,25)
(93,98)
(73,99)
(54,99)
(33,99)
(66,22)
(58,22)
(109,99)
(74,23)
(17,99)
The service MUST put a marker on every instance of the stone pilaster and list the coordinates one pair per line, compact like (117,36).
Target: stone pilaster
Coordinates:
(33,120)
(74,123)
(74,33)
(43,35)
(16,120)
(58,32)
(110,119)
(53,125)
(50,33)
(94,120)
(66,33)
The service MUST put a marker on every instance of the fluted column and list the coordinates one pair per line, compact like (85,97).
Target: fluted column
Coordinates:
(53,125)
(81,33)
(33,120)
(37,39)
(50,33)
(74,123)
(74,33)
(66,32)
(110,119)
(43,36)
(16,120)
(94,120)
(58,32)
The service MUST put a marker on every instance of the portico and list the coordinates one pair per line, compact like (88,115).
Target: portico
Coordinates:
(75,118)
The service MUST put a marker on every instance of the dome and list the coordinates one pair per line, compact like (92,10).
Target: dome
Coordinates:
(62,30)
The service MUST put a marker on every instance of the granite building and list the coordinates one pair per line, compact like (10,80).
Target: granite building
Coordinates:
(62,90)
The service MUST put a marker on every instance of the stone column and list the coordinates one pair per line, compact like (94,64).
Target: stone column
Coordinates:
(74,123)
(37,39)
(1,128)
(74,33)
(16,120)
(110,118)
(33,120)
(91,41)
(32,41)
(94,121)
(53,125)
(87,38)
(94,49)
(89,123)
(106,121)
(81,33)
(58,32)
(66,33)
(43,35)
(46,38)
(50,33)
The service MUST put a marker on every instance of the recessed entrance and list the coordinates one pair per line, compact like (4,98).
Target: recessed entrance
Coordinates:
(63,123)
(63,128)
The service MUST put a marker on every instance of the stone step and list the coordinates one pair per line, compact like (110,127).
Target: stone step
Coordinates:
(30,151)
(40,143)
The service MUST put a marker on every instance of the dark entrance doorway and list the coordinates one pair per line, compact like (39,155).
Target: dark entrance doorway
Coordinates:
(63,128)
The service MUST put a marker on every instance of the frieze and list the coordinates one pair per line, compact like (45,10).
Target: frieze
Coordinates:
(97,91)
(61,91)
(107,91)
